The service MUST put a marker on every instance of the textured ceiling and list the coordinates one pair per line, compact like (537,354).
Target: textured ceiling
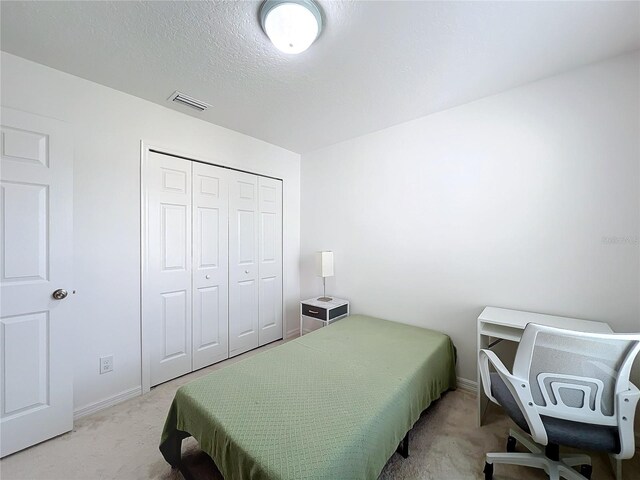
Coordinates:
(376,64)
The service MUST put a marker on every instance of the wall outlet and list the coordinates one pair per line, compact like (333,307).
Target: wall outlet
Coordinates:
(106,364)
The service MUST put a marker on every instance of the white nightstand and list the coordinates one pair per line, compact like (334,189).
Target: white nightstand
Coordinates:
(325,312)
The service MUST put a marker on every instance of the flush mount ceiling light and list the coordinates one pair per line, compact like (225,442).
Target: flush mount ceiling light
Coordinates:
(291,25)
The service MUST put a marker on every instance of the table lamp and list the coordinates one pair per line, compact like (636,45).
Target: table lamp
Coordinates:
(325,269)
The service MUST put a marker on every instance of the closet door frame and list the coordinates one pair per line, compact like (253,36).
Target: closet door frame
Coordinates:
(145,148)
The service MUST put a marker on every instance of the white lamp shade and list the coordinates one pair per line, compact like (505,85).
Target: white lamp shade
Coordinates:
(325,264)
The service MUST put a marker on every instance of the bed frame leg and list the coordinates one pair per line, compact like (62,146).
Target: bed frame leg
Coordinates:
(182,468)
(403,447)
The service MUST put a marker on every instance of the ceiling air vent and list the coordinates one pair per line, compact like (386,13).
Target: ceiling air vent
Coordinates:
(183,99)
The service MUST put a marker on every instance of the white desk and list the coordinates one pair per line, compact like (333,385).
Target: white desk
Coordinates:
(497,324)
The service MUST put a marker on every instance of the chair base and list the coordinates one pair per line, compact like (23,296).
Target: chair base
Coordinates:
(556,469)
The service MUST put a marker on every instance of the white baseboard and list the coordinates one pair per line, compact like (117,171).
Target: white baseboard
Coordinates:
(293,333)
(467,385)
(107,402)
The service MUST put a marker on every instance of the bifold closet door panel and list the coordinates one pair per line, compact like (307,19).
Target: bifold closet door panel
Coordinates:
(167,280)
(243,262)
(210,264)
(270,258)
(213,264)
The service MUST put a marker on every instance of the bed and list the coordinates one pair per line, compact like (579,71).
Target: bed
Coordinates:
(335,403)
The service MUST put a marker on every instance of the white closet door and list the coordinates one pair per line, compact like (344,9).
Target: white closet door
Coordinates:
(167,281)
(210,264)
(270,258)
(243,262)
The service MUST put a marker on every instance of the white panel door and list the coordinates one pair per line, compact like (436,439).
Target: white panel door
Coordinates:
(243,262)
(36,232)
(167,276)
(210,264)
(270,258)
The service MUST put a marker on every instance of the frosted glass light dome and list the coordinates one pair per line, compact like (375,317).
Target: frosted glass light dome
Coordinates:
(291,25)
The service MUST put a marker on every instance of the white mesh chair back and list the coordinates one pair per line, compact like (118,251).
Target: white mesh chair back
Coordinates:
(574,375)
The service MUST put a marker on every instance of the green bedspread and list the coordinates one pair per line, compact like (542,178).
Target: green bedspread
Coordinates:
(333,404)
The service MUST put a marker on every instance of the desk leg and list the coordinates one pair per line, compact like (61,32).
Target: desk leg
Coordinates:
(483,401)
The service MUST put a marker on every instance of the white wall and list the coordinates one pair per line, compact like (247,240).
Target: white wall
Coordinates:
(505,201)
(107,127)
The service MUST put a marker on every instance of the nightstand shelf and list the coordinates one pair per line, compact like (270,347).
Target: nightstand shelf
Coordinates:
(325,312)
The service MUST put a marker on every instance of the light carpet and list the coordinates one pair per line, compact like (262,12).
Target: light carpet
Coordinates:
(121,442)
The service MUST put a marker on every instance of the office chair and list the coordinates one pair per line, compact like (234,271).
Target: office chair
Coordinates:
(567,388)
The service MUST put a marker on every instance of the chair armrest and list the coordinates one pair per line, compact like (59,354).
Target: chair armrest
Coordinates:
(484,357)
(519,389)
(625,410)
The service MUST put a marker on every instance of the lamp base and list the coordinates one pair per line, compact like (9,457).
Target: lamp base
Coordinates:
(324,299)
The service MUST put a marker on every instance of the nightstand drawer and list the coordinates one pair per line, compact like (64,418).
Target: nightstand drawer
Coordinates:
(338,312)
(315,312)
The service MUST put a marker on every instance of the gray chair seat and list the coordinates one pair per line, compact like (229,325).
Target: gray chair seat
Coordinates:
(561,432)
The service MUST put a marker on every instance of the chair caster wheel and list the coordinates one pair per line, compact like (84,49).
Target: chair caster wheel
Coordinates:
(488,471)
(585,471)
(511,444)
